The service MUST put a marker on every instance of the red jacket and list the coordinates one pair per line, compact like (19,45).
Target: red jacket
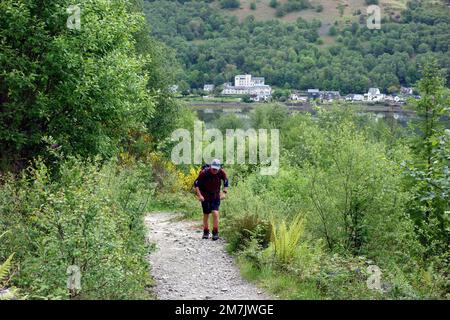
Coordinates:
(209,183)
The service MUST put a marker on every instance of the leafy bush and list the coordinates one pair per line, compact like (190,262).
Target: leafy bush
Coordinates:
(229,121)
(270,116)
(86,88)
(352,191)
(230,4)
(273,3)
(241,229)
(246,216)
(91,217)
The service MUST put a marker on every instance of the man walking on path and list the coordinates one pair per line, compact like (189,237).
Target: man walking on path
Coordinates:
(208,186)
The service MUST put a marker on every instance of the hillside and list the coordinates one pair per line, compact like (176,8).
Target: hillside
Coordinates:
(329,14)
(294,51)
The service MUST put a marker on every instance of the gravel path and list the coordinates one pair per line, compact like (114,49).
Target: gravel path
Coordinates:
(185,266)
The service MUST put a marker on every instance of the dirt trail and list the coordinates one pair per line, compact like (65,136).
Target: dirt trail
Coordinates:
(188,267)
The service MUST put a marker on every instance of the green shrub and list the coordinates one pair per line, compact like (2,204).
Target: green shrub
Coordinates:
(351,190)
(241,229)
(230,4)
(280,12)
(91,217)
(85,88)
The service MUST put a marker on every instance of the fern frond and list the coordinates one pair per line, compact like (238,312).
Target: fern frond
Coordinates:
(286,239)
(3,234)
(4,268)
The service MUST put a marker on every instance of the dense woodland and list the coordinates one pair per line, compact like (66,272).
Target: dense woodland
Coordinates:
(85,124)
(213,47)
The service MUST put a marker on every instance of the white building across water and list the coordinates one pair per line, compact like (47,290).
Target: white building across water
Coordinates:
(374,94)
(246,84)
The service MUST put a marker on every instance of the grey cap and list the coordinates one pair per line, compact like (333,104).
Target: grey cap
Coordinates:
(215,164)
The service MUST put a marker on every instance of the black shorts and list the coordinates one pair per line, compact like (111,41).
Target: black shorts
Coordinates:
(210,205)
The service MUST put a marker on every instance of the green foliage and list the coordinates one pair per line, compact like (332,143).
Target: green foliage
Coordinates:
(92,217)
(333,31)
(229,121)
(295,5)
(352,188)
(180,202)
(246,98)
(341,8)
(270,116)
(285,240)
(280,12)
(163,70)
(280,94)
(85,88)
(230,4)
(247,227)
(428,172)
(68,95)
(245,214)
(365,196)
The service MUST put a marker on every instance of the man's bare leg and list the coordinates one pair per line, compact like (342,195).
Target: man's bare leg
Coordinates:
(205,221)
(215,220)
(215,223)
(205,226)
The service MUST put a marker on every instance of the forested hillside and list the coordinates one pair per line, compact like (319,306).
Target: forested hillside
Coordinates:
(213,46)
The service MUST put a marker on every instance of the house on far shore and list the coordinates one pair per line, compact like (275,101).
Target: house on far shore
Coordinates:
(406,90)
(208,87)
(313,94)
(324,96)
(297,95)
(374,94)
(373,91)
(330,96)
(354,97)
(259,98)
(392,98)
